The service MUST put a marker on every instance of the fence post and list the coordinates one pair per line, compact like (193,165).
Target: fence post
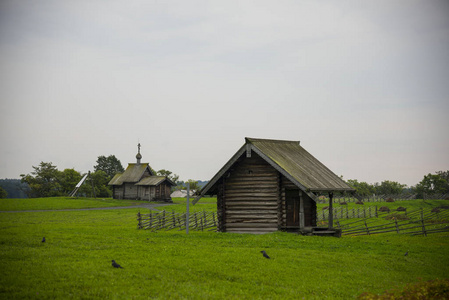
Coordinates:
(396,222)
(377,216)
(196,220)
(187,214)
(422,222)
(202,224)
(366,226)
(139,219)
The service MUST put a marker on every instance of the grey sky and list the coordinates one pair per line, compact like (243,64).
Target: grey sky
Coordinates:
(363,85)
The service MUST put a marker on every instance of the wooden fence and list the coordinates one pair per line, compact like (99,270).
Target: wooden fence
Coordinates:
(171,220)
(345,213)
(381,198)
(416,222)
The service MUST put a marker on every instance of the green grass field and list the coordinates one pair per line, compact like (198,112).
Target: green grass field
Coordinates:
(75,261)
(61,203)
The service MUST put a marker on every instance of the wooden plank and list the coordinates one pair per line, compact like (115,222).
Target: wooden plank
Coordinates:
(251,204)
(252,221)
(241,194)
(247,177)
(246,186)
(259,217)
(237,198)
(250,211)
(250,231)
(251,225)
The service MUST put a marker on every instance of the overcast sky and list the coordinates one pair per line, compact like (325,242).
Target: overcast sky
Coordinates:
(364,85)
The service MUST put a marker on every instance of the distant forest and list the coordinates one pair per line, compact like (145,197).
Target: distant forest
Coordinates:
(15,188)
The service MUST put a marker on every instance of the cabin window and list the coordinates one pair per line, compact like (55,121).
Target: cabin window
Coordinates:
(147,190)
(250,172)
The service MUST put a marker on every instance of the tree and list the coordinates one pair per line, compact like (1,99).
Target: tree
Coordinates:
(68,179)
(168,174)
(101,179)
(362,188)
(388,187)
(194,185)
(45,181)
(110,165)
(14,188)
(3,193)
(433,184)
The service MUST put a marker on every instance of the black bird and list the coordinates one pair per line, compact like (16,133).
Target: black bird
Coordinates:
(264,254)
(406,253)
(43,239)
(116,265)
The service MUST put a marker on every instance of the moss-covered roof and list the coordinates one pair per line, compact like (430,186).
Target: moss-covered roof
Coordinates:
(132,174)
(155,180)
(292,161)
(302,166)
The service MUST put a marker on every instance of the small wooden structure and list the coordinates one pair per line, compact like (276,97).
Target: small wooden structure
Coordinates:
(139,182)
(271,185)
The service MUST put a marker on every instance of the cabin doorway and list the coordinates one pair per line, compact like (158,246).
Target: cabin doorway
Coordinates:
(292,205)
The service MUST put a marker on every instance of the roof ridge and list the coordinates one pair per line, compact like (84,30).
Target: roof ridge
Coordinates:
(248,139)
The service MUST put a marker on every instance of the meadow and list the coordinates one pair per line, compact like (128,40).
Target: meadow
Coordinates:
(75,260)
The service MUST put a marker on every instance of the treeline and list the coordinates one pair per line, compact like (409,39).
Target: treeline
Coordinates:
(47,181)
(431,184)
(13,188)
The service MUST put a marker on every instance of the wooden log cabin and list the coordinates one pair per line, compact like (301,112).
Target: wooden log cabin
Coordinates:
(139,182)
(271,185)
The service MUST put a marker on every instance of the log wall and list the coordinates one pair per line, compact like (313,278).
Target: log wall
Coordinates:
(249,197)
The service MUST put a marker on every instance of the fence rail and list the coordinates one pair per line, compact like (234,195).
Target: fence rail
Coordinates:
(416,222)
(382,198)
(171,220)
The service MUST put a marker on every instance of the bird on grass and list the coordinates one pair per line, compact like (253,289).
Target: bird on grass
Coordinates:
(116,265)
(406,253)
(43,239)
(264,254)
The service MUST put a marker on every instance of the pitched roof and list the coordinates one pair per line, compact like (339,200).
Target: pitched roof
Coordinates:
(303,167)
(291,160)
(155,180)
(133,173)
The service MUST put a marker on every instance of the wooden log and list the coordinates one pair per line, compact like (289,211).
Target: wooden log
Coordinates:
(251,211)
(251,193)
(251,221)
(251,225)
(251,217)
